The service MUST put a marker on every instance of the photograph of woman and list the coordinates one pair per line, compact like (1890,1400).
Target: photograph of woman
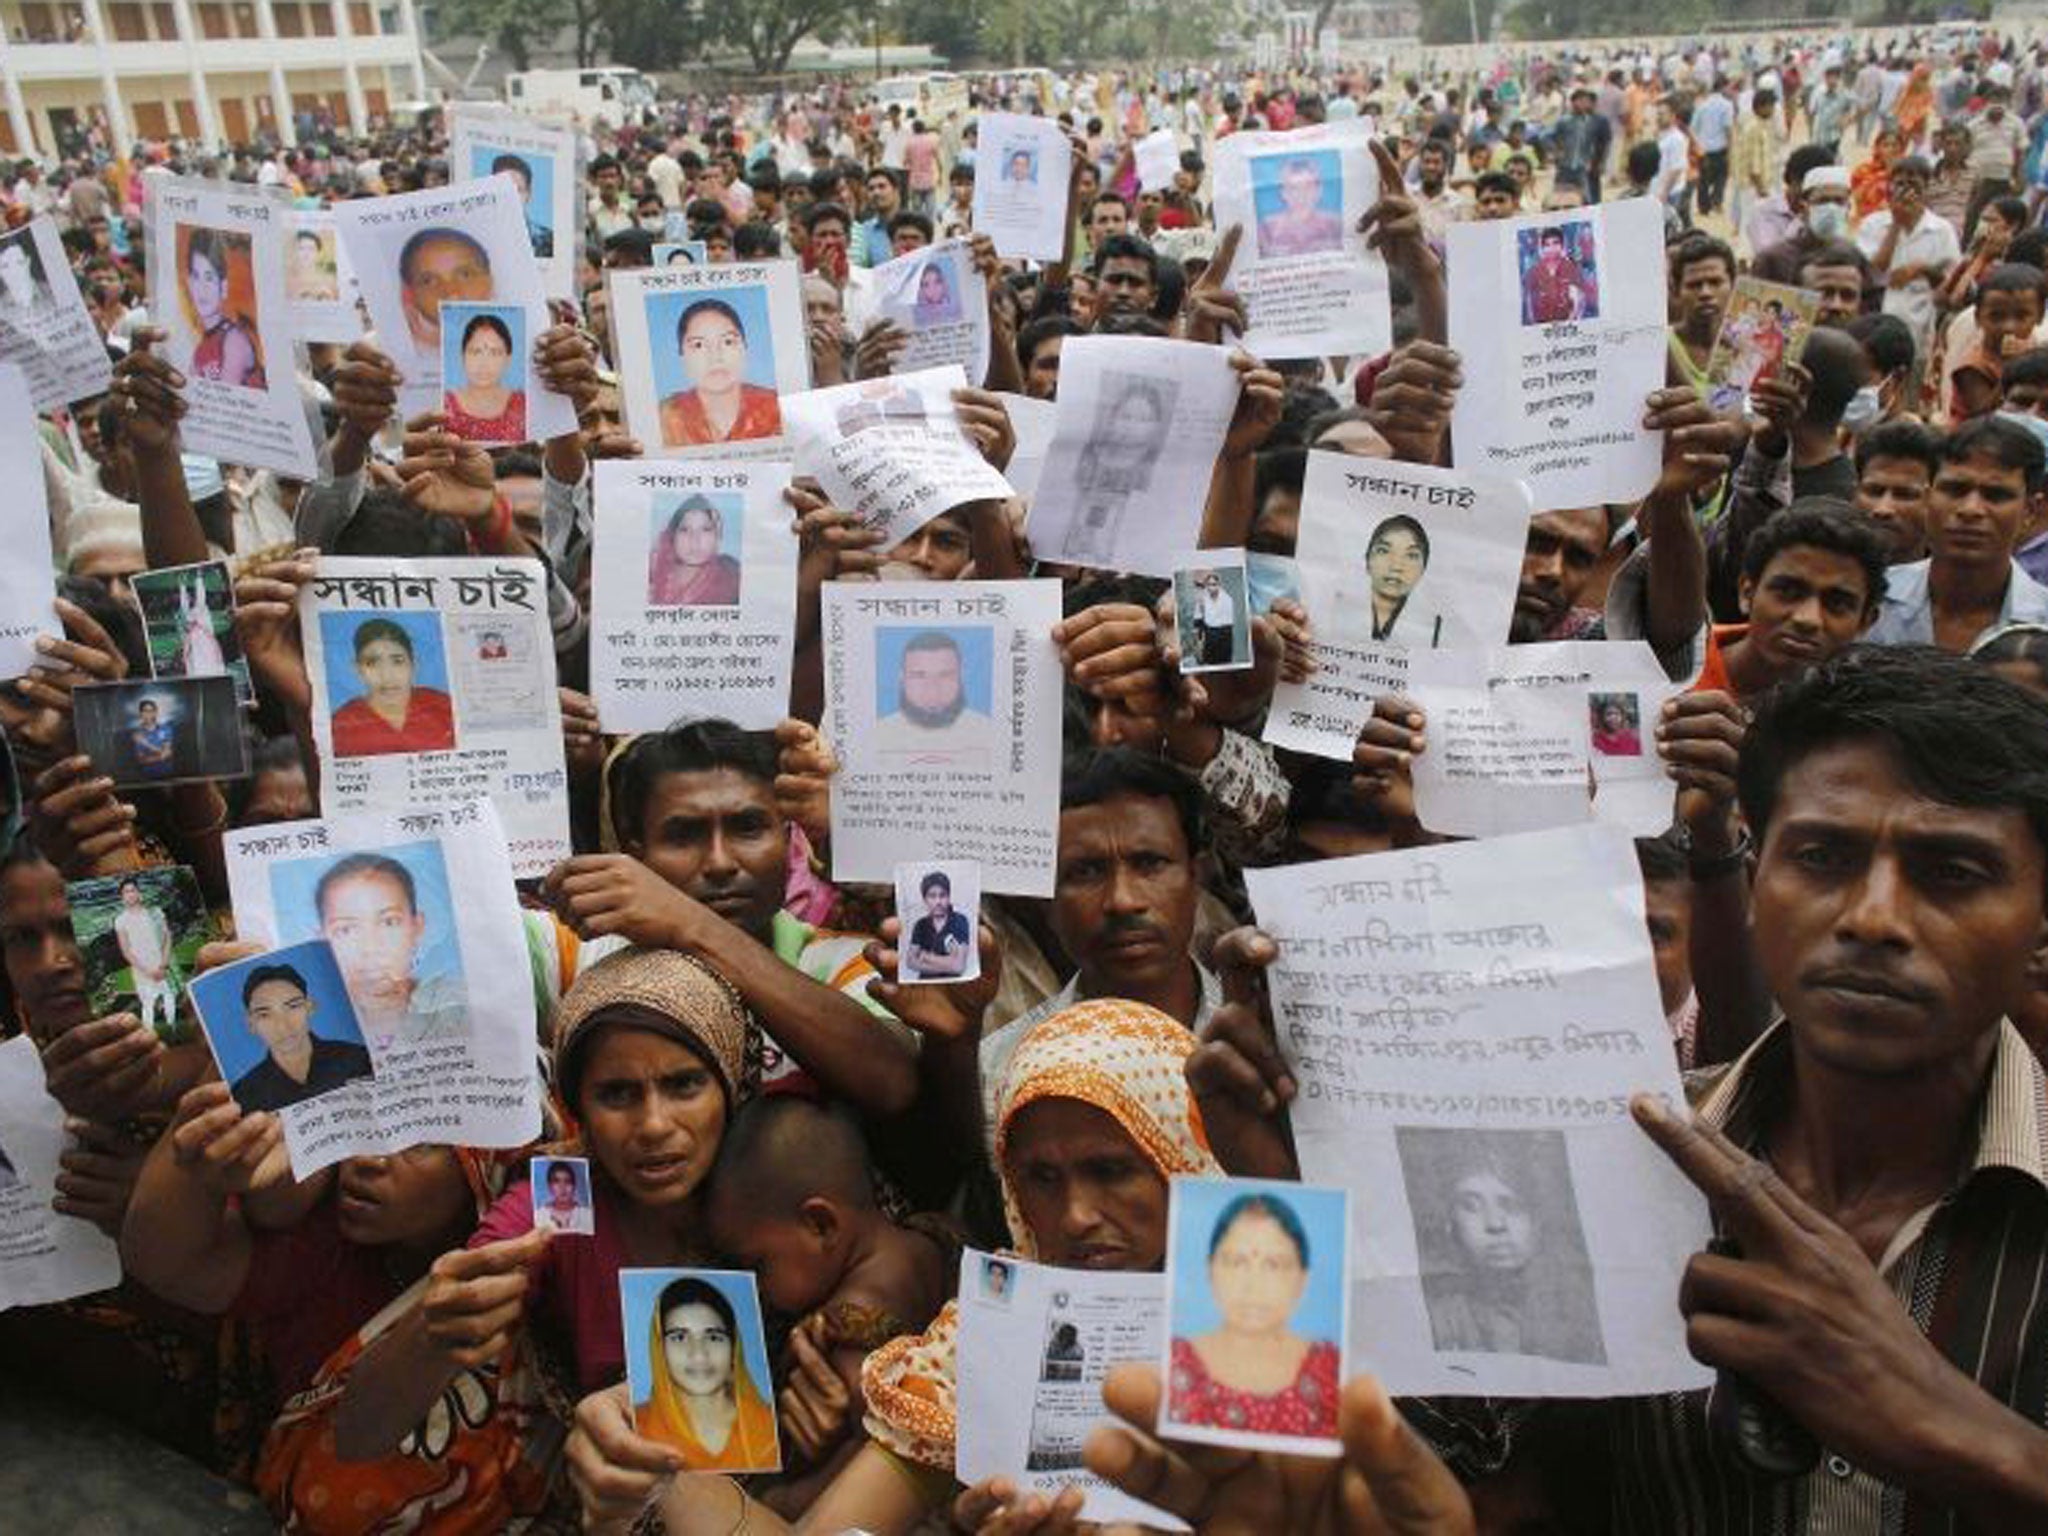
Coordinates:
(484,401)
(936,304)
(392,713)
(1614,718)
(1262,1367)
(24,289)
(1504,1268)
(199,649)
(686,568)
(227,349)
(719,406)
(703,1399)
(1396,556)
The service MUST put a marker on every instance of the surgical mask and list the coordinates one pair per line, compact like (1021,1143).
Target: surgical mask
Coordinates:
(1865,409)
(1828,221)
(654,226)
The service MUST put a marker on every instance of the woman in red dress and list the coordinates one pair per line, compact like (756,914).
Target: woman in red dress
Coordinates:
(720,406)
(392,715)
(1253,1372)
(482,408)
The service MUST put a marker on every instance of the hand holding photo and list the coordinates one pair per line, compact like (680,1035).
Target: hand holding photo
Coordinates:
(484,371)
(145,734)
(140,934)
(280,1027)
(1764,328)
(188,616)
(562,1197)
(697,1367)
(938,904)
(1212,613)
(1257,1294)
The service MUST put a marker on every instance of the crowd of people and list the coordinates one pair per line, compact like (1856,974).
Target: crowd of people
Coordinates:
(1849,911)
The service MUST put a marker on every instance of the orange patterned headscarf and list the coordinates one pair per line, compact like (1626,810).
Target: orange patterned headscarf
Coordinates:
(1122,1058)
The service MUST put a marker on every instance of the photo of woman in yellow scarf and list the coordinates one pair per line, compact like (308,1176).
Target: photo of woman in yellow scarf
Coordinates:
(703,1399)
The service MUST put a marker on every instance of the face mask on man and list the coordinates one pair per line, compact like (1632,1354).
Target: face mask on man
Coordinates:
(1864,410)
(1827,221)
(654,225)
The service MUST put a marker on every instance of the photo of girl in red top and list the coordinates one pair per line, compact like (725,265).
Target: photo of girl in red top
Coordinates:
(393,713)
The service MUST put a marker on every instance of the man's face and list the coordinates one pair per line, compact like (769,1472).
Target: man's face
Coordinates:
(1301,189)
(1149,204)
(1806,605)
(1667,911)
(131,896)
(939,551)
(1433,169)
(931,684)
(828,244)
(1894,494)
(1562,551)
(2007,321)
(908,238)
(717,837)
(148,712)
(1975,511)
(1107,218)
(1496,203)
(821,306)
(443,270)
(1908,196)
(882,195)
(1840,290)
(1125,286)
(1124,893)
(280,1015)
(375,933)
(1703,289)
(938,904)
(1895,931)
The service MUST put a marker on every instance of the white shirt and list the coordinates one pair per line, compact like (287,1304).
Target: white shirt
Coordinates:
(1219,609)
(1672,162)
(1934,240)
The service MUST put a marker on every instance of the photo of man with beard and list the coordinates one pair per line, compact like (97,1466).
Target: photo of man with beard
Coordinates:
(934,721)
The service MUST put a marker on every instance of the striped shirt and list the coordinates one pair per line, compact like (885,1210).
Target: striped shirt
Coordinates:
(1971,1270)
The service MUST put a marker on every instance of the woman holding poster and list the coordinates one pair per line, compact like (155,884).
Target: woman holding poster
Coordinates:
(720,406)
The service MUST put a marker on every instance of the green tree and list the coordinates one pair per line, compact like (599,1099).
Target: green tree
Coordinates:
(653,34)
(767,31)
(514,26)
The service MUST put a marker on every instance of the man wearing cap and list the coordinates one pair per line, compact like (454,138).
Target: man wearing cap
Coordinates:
(1823,222)
(1778,217)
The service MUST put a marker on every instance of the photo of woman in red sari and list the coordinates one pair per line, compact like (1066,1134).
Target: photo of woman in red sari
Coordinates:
(686,569)
(217,289)
(393,714)
(719,406)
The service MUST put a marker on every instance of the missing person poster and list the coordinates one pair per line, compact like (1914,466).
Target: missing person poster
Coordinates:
(27,589)
(319,290)
(45,329)
(439,987)
(1071,1328)
(485,141)
(466,244)
(1021,181)
(433,683)
(693,593)
(1560,318)
(706,355)
(1140,422)
(44,1256)
(1466,1024)
(1311,285)
(891,449)
(942,700)
(216,287)
(938,298)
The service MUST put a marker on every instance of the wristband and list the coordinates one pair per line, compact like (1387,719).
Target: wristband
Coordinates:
(492,540)
(1714,866)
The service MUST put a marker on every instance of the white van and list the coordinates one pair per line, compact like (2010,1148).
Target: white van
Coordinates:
(934,97)
(609,95)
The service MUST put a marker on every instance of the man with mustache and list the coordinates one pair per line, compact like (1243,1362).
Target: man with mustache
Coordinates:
(1125,893)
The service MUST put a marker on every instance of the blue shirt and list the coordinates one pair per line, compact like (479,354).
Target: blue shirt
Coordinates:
(1713,123)
(1906,616)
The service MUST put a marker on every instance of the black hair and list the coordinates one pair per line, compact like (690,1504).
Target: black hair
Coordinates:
(2029,246)
(1643,160)
(1109,195)
(1913,165)
(1900,440)
(260,974)
(691,1291)
(351,866)
(516,164)
(756,240)
(388,525)
(824,208)
(370,631)
(212,247)
(2010,277)
(1037,332)
(1495,181)
(1963,735)
(1274,1209)
(2005,443)
(487,322)
(1106,773)
(2014,211)
(2028,367)
(1833,253)
(782,1149)
(909,218)
(1663,859)
(409,253)
(1400,520)
(557,1166)
(1822,522)
(1886,338)
(712,307)
(1807,157)
(1695,248)
(936,880)
(1838,368)
(1127,246)
(700,746)
(2015,645)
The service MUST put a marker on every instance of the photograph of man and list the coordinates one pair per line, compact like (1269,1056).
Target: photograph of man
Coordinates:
(561,1195)
(278,1009)
(719,405)
(941,941)
(24,288)
(144,935)
(312,276)
(153,741)
(539,232)
(434,266)
(1555,286)
(933,721)
(1303,225)
(995,1279)
(1212,622)
(228,348)
(1021,168)
(153,732)
(368,907)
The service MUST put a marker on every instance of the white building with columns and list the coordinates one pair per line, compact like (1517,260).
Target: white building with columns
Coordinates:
(221,71)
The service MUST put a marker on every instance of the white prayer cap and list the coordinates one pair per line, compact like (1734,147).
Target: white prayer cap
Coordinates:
(1826,176)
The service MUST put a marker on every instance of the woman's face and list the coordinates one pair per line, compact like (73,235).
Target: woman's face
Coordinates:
(1492,1227)
(931,287)
(696,541)
(697,1347)
(714,353)
(561,1188)
(1091,1199)
(1612,719)
(1395,563)
(484,357)
(45,966)
(208,287)
(386,669)
(412,1200)
(1256,1275)
(652,1112)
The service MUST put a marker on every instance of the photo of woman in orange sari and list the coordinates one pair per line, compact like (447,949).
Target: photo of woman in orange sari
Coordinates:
(704,1401)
